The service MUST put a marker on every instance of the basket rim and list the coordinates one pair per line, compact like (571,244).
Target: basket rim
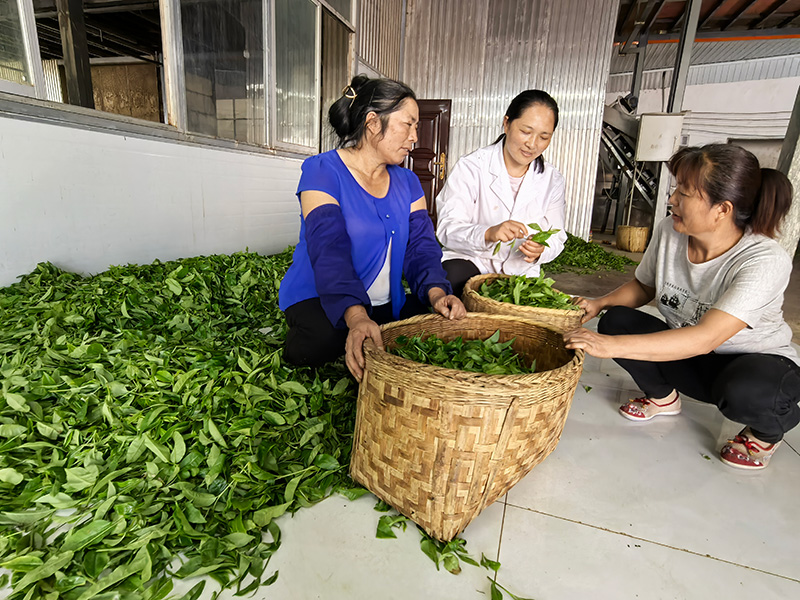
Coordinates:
(475,281)
(371,348)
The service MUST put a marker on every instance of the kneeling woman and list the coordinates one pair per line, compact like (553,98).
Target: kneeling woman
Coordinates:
(364,225)
(493,194)
(718,278)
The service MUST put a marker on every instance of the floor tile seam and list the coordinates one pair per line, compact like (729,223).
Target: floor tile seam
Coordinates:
(654,542)
(796,450)
(500,539)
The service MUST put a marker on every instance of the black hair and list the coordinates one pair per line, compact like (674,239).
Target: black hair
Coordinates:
(727,173)
(522,102)
(348,115)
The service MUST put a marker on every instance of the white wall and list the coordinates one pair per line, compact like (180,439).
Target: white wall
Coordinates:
(85,200)
(758,109)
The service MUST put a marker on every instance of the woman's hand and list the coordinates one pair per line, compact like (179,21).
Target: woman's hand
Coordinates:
(531,250)
(505,232)
(361,327)
(591,307)
(596,344)
(447,305)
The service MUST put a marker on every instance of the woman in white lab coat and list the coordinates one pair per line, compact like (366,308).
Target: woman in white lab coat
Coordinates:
(494,194)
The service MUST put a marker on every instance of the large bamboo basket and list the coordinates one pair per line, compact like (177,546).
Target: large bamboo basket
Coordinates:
(439,444)
(560,319)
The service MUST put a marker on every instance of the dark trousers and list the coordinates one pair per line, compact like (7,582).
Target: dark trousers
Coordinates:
(458,273)
(312,341)
(759,390)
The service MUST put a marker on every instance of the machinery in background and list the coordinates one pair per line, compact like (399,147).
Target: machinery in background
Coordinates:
(633,150)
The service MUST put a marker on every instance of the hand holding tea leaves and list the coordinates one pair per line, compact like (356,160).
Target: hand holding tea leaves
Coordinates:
(540,237)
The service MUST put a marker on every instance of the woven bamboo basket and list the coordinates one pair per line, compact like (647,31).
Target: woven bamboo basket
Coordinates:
(632,239)
(560,319)
(439,444)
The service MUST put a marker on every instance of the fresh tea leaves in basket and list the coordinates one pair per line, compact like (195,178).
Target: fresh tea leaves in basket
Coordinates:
(489,356)
(527,291)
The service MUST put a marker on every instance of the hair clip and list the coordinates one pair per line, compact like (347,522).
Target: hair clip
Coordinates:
(349,92)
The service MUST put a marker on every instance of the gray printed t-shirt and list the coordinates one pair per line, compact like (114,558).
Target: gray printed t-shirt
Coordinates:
(746,282)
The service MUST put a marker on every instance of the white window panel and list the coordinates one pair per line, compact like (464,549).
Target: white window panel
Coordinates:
(296,106)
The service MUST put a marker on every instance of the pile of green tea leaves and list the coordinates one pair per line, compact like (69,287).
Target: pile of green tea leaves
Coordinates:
(527,291)
(583,257)
(149,429)
(489,356)
(146,414)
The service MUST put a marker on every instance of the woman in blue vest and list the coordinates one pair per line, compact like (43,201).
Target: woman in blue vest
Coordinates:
(364,226)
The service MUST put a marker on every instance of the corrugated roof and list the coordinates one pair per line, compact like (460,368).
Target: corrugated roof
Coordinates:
(662,55)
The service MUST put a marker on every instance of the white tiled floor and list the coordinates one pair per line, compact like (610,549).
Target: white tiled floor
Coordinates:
(619,510)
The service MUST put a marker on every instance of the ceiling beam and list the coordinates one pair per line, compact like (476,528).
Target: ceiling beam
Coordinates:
(769,12)
(739,13)
(710,14)
(721,36)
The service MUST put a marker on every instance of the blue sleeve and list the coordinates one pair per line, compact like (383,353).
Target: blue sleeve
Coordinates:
(422,265)
(416,187)
(319,176)
(329,251)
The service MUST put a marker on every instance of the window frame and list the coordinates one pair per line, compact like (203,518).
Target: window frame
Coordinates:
(273,88)
(30,45)
(30,102)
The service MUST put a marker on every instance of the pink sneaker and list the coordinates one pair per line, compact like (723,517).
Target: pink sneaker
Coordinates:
(644,409)
(746,451)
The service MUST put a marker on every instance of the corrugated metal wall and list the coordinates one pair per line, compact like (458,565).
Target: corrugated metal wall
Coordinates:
(380,27)
(662,56)
(481,54)
(742,70)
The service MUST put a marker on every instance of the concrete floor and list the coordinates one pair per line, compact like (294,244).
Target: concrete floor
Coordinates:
(597,284)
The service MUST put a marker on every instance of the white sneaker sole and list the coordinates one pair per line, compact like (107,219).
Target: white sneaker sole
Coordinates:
(671,413)
(742,467)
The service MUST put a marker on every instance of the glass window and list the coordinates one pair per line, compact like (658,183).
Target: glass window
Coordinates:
(223,50)
(123,48)
(343,7)
(335,71)
(14,65)
(296,116)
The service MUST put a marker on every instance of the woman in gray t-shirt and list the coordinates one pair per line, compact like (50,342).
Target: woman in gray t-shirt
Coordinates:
(718,279)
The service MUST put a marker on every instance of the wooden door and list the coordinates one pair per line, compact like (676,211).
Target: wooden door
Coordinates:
(428,159)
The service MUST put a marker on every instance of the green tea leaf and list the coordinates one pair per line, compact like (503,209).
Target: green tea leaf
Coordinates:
(293,387)
(326,462)
(59,500)
(387,524)
(11,476)
(85,536)
(156,448)
(22,563)
(11,430)
(53,564)
(17,402)
(95,563)
(178,449)
(80,478)
(489,564)
(263,516)
(195,592)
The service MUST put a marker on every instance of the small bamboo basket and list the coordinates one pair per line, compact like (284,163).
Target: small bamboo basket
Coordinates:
(632,239)
(560,319)
(439,444)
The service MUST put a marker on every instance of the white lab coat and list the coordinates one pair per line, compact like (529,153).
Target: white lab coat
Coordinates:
(477,195)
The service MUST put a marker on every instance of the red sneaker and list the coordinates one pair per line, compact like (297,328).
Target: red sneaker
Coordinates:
(644,409)
(745,451)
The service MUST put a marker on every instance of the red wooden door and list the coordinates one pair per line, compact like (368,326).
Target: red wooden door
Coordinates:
(428,159)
